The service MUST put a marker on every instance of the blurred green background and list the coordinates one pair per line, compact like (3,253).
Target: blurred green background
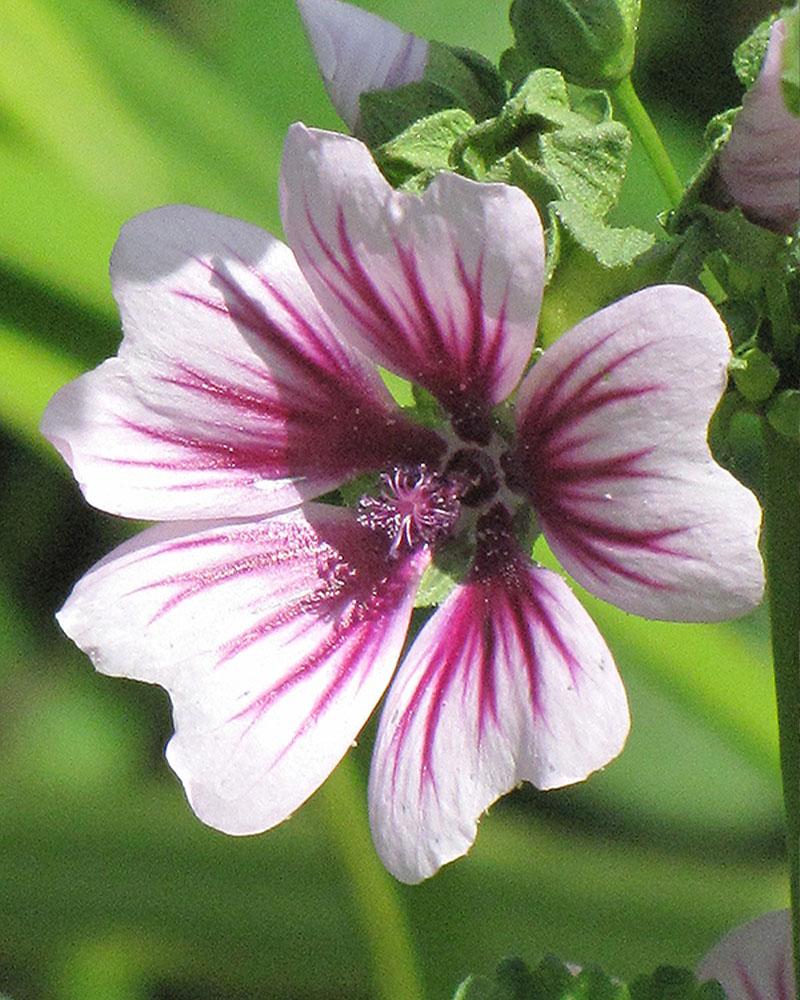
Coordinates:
(109,888)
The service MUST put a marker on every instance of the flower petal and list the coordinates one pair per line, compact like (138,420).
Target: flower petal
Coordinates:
(612,427)
(509,681)
(754,962)
(357,51)
(275,638)
(231,395)
(760,164)
(443,289)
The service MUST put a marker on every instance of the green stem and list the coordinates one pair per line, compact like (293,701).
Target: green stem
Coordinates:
(384,924)
(639,120)
(782,558)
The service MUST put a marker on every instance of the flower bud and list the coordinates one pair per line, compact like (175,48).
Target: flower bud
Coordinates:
(760,164)
(357,51)
(591,42)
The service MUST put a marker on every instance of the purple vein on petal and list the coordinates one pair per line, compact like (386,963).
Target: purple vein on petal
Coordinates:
(500,619)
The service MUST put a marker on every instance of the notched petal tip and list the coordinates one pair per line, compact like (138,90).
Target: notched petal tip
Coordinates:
(357,51)
(613,453)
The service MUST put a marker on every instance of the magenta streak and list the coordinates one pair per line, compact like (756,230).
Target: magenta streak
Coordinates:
(436,366)
(353,626)
(545,400)
(276,336)
(483,352)
(589,552)
(246,401)
(614,467)
(748,985)
(782,976)
(375,315)
(491,615)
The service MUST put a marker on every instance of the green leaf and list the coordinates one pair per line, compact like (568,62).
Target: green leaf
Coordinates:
(755,374)
(423,146)
(783,413)
(790,70)
(670,983)
(587,164)
(542,144)
(591,41)
(611,247)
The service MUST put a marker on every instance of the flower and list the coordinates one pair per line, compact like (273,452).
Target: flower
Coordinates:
(754,961)
(242,390)
(760,164)
(357,51)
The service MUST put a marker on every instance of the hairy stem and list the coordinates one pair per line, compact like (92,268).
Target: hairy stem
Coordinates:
(383,920)
(627,100)
(782,557)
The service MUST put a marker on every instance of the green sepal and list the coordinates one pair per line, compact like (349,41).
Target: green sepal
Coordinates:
(448,568)
(783,413)
(469,75)
(669,983)
(427,409)
(384,114)
(790,70)
(591,41)
(454,78)
(749,55)
(368,483)
(424,147)
(754,374)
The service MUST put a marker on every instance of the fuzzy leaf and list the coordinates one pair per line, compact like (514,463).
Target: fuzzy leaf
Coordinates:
(668,983)
(591,41)
(611,247)
(749,55)
(755,374)
(423,146)
(783,413)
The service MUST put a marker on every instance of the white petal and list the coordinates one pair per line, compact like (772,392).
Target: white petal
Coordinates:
(443,289)
(613,454)
(357,51)
(509,681)
(754,962)
(231,395)
(275,639)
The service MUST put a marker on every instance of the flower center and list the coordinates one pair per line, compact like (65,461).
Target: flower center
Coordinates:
(415,507)
(474,475)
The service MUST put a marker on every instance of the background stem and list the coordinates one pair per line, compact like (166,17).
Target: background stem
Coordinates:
(627,100)
(386,932)
(782,557)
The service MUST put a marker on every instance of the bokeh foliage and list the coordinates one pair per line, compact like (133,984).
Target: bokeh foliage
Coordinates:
(109,888)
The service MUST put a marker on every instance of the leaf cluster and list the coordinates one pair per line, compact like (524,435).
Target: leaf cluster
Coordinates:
(554,980)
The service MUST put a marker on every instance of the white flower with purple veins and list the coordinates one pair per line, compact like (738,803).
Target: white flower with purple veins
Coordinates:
(760,164)
(357,51)
(246,385)
(754,962)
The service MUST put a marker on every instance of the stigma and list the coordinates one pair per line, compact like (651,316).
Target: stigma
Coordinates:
(415,507)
